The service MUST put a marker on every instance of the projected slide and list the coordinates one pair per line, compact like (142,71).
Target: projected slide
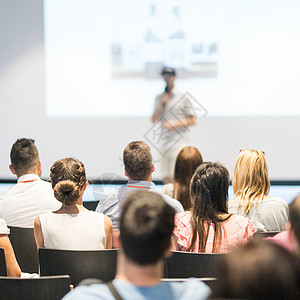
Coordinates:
(236,58)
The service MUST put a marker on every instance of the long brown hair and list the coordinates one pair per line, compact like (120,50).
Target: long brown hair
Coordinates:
(209,192)
(187,161)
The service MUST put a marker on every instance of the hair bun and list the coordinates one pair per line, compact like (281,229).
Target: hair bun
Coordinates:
(66,191)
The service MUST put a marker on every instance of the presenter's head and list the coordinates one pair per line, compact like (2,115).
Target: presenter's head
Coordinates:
(169,75)
(137,160)
(24,158)
(68,180)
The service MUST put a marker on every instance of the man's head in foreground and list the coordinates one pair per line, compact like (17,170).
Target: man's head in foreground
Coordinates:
(146,227)
(24,158)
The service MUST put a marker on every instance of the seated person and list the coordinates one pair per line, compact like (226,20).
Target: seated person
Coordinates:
(146,226)
(31,196)
(290,238)
(12,267)
(72,227)
(251,187)
(138,168)
(258,270)
(187,161)
(209,227)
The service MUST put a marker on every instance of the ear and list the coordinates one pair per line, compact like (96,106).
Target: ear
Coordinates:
(126,174)
(153,168)
(39,168)
(84,186)
(12,169)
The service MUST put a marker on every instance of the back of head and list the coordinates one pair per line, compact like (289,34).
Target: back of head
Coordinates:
(259,270)
(24,156)
(250,181)
(209,194)
(146,227)
(187,161)
(137,160)
(294,209)
(67,178)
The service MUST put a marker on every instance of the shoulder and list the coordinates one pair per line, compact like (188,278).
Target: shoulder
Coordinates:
(186,290)
(276,200)
(240,222)
(95,291)
(3,227)
(172,202)
(168,189)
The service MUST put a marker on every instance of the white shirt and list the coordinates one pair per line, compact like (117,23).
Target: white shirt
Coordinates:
(23,202)
(82,231)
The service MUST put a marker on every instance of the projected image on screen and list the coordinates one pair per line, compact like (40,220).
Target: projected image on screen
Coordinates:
(236,58)
(167,41)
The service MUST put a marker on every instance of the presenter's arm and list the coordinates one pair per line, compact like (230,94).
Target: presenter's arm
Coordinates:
(160,106)
(108,232)
(38,234)
(185,122)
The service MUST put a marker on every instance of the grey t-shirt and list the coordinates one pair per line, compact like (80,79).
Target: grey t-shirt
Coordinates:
(271,214)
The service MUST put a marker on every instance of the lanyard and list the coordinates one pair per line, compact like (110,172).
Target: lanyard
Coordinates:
(25,181)
(138,187)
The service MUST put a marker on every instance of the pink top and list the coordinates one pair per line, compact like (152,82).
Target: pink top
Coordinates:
(238,230)
(282,239)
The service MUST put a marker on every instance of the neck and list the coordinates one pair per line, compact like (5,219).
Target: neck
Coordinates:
(74,208)
(138,275)
(169,88)
(147,179)
(29,172)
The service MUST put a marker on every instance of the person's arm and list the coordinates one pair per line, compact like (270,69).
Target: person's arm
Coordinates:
(160,106)
(12,267)
(38,234)
(185,122)
(108,232)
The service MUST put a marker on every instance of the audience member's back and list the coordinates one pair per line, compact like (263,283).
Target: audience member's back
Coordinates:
(31,196)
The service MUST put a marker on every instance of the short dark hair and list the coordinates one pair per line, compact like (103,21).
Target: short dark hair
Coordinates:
(294,210)
(258,270)
(23,155)
(137,160)
(146,227)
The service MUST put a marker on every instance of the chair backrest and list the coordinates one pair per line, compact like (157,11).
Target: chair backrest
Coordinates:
(46,288)
(79,265)
(190,264)
(23,242)
(2,263)
(90,205)
(263,235)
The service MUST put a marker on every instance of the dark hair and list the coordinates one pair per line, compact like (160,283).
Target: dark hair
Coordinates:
(146,227)
(209,193)
(23,155)
(258,270)
(67,178)
(187,161)
(137,160)
(294,210)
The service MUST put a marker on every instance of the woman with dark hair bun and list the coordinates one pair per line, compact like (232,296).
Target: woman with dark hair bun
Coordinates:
(187,161)
(72,227)
(209,227)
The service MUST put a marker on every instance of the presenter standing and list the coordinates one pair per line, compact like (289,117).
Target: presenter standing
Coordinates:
(173,109)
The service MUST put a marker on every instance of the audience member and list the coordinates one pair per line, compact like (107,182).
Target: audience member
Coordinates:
(187,161)
(251,187)
(72,227)
(12,266)
(31,196)
(290,238)
(209,227)
(258,270)
(138,168)
(146,226)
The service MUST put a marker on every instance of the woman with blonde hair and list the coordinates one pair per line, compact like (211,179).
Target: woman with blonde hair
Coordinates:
(208,227)
(187,161)
(251,187)
(72,227)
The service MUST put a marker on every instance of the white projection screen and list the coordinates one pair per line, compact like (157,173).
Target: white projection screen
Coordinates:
(80,77)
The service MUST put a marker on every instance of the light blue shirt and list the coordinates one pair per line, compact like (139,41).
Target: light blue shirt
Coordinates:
(191,289)
(111,205)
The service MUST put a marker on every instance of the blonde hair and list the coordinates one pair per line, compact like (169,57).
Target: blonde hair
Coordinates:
(250,181)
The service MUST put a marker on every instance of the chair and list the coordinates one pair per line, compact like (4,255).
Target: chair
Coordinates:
(90,205)
(79,265)
(23,242)
(189,264)
(46,288)
(2,263)
(263,235)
